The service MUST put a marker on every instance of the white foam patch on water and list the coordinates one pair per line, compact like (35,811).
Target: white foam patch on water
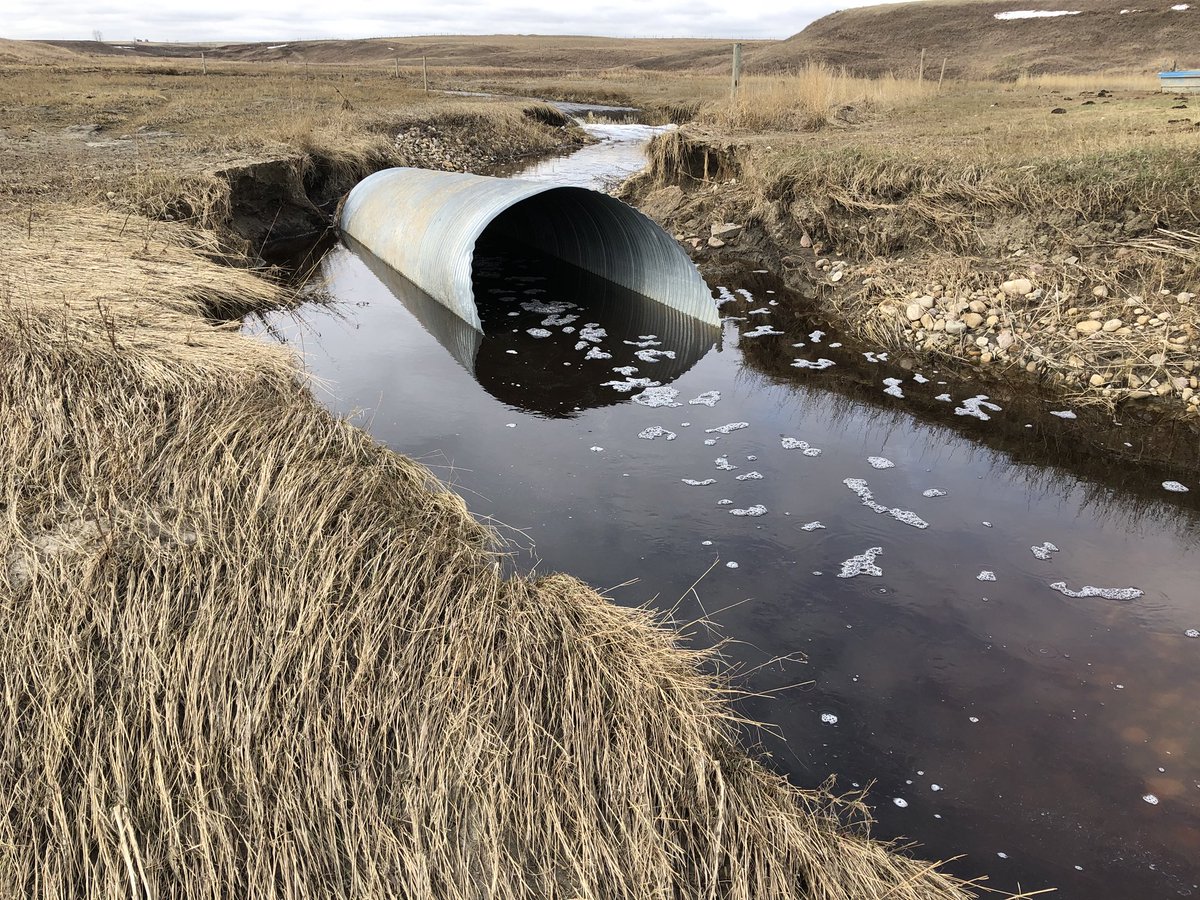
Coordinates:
(749,476)
(800,344)
(985,575)
(654,355)
(893,387)
(1088,590)
(708,398)
(553,308)
(1151,799)
(1192,633)
(694,483)
(537,332)
(597,353)
(558,321)
(725,320)
(761,311)
(511,425)
(745,293)
(723,296)
(592,332)
(933,492)
(753,511)
(630,383)
(1175,487)
(945,398)
(725,502)
(821,363)
(935,787)
(570,329)
(880,462)
(513,352)
(816,336)
(1063,413)
(811,526)
(727,429)
(863,564)
(723,463)
(790,443)
(908,517)
(829,718)
(1044,551)
(596,449)
(657,396)
(863,490)
(627,371)
(920,379)
(656,431)
(760,331)
(644,343)
(708,442)
(872,358)
(975,406)
(731,565)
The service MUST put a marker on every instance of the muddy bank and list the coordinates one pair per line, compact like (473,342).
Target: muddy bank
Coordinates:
(1098,312)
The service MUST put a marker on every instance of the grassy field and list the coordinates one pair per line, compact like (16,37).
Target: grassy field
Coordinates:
(246,651)
(905,210)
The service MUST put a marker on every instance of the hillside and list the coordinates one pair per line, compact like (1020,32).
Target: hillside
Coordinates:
(875,40)
(531,52)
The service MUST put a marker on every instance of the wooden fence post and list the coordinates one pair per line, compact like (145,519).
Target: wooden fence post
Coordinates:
(942,77)
(737,72)
(921,68)
(425,72)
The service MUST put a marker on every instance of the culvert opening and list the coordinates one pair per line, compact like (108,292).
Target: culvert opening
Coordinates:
(599,235)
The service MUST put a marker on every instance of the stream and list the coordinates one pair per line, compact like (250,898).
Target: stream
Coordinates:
(953,597)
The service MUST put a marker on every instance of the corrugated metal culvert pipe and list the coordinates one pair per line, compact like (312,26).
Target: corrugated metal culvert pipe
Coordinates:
(425,224)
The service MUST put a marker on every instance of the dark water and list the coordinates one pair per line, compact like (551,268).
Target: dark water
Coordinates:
(1043,720)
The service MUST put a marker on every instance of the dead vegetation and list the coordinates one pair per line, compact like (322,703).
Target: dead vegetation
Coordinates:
(909,219)
(263,150)
(246,650)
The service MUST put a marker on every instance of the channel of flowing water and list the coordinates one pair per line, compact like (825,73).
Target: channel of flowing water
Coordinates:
(934,567)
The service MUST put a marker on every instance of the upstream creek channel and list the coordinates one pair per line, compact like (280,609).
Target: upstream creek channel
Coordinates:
(958,600)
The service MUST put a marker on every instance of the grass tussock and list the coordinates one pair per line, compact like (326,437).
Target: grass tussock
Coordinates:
(811,98)
(247,651)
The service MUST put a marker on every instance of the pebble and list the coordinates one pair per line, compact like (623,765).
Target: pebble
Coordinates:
(1175,487)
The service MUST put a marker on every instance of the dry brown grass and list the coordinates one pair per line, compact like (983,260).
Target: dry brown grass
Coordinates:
(810,98)
(172,143)
(246,651)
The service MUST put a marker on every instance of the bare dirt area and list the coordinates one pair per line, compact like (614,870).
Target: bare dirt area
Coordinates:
(1045,232)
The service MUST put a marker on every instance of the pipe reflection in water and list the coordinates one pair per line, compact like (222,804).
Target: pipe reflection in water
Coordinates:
(553,334)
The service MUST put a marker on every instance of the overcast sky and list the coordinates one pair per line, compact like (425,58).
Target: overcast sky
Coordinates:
(276,20)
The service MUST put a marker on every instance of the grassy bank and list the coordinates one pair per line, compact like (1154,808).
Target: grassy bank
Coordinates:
(248,651)
(1047,227)
(260,150)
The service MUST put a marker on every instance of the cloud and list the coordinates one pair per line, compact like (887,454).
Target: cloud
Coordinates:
(274,20)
